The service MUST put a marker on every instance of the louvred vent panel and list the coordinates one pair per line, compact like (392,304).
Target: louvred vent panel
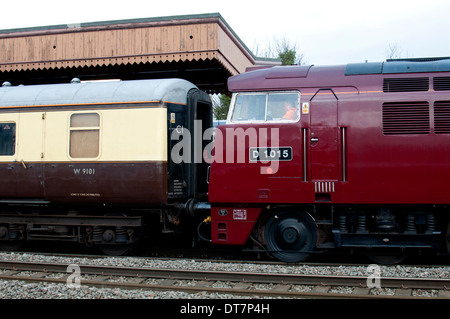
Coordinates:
(406,85)
(442,117)
(406,118)
(441,83)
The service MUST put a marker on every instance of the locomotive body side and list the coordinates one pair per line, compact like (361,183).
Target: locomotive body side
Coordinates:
(367,164)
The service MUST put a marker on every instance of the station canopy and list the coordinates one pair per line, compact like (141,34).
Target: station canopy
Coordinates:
(200,48)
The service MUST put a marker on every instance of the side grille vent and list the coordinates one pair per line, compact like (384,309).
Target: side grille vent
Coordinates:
(406,118)
(406,85)
(441,83)
(442,117)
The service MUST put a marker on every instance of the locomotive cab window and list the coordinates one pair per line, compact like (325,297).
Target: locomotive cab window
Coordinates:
(266,107)
(7,139)
(84,135)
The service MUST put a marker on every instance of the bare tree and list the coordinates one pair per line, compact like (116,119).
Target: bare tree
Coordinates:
(282,48)
(395,52)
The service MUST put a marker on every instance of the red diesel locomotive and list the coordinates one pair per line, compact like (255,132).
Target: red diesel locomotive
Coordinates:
(321,157)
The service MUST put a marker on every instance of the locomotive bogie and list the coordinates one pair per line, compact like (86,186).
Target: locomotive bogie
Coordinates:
(293,232)
(389,227)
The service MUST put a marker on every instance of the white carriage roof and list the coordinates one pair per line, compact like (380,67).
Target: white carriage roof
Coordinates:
(168,90)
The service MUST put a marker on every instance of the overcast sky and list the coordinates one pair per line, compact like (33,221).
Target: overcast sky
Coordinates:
(325,31)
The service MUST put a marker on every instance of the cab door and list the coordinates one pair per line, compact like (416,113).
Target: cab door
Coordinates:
(324,140)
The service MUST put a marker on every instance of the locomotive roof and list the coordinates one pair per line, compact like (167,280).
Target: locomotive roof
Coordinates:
(168,90)
(285,77)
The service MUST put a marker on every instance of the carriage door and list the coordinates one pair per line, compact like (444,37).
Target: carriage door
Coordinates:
(324,141)
(21,157)
(200,119)
(8,154)
(30,155)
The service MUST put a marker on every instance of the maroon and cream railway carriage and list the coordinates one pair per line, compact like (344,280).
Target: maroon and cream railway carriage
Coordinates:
(364,163)
(88,162)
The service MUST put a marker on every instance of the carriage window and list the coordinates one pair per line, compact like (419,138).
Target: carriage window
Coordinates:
(266,107)
(7,139)
(84,135)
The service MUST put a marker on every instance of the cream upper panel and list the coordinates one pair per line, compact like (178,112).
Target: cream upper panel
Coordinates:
(125,134)
(135,135)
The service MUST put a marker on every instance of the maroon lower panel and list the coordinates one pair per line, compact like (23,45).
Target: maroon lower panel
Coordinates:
(125,183)
(120,183)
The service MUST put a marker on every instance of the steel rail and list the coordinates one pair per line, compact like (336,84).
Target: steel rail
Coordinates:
(230,276)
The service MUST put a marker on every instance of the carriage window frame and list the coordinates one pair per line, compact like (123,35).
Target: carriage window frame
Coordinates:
(8,146)
(268,118)
(82,131)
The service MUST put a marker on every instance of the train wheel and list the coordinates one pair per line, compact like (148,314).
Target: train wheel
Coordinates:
(447,237)
(116,249)
(13,235)
(11,245)
(113,241)
(290,236)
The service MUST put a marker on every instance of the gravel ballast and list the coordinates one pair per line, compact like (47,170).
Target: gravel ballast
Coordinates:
(15,289)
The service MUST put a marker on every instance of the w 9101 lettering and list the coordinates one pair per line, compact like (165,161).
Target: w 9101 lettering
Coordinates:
(84,171)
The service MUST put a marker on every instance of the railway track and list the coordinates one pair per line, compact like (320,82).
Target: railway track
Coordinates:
(224,282)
